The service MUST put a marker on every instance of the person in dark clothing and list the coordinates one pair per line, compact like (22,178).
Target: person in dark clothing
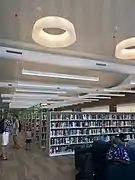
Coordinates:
(122,137)
(117,152)
(5,136)
(99,161)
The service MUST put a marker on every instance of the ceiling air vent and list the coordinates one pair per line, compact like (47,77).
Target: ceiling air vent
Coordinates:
(10,85)
(101,64)
(14,52)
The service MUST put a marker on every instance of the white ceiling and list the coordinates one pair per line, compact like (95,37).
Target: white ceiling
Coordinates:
(95,22)
(99,24)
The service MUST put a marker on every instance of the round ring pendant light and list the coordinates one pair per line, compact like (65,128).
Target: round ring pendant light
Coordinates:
(66,38)
(126,49)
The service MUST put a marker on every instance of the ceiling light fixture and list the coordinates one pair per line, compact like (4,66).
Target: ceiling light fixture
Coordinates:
(80,99)
(103,94)
(119,90)
(20,100)
(42,98)
(39,91)
(6,101)
(20,105)
(90,99)
(42,37)
(65,87)
(44,104)
(7,95)
(27,95)
(46,86)
(132,82)
(24,102)
(8,84)
(126,49)
(34,96)
(61,76)
(53,102)
(95,97)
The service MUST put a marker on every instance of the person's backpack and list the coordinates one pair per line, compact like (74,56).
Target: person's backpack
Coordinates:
(2,126)
(20,126)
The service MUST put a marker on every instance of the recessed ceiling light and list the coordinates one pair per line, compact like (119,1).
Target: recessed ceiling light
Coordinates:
(42,37)
(61,76)
(126,49)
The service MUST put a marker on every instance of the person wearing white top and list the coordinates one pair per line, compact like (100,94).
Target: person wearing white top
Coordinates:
(5,136)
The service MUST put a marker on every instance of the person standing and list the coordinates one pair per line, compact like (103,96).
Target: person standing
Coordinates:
(28,137)
(15,131)
(5,131)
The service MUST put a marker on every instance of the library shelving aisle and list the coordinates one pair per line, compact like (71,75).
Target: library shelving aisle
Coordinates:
(65,130)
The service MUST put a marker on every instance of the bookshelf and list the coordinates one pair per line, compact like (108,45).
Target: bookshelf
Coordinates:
(37,121)
(43,130)
(37,127)
(32,123)
(29,122)
(32,120)
(68,129)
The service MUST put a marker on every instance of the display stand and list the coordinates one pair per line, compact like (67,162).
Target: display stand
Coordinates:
(68,129)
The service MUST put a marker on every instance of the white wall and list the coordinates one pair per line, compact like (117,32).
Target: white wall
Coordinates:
(96,109)
(126,107)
